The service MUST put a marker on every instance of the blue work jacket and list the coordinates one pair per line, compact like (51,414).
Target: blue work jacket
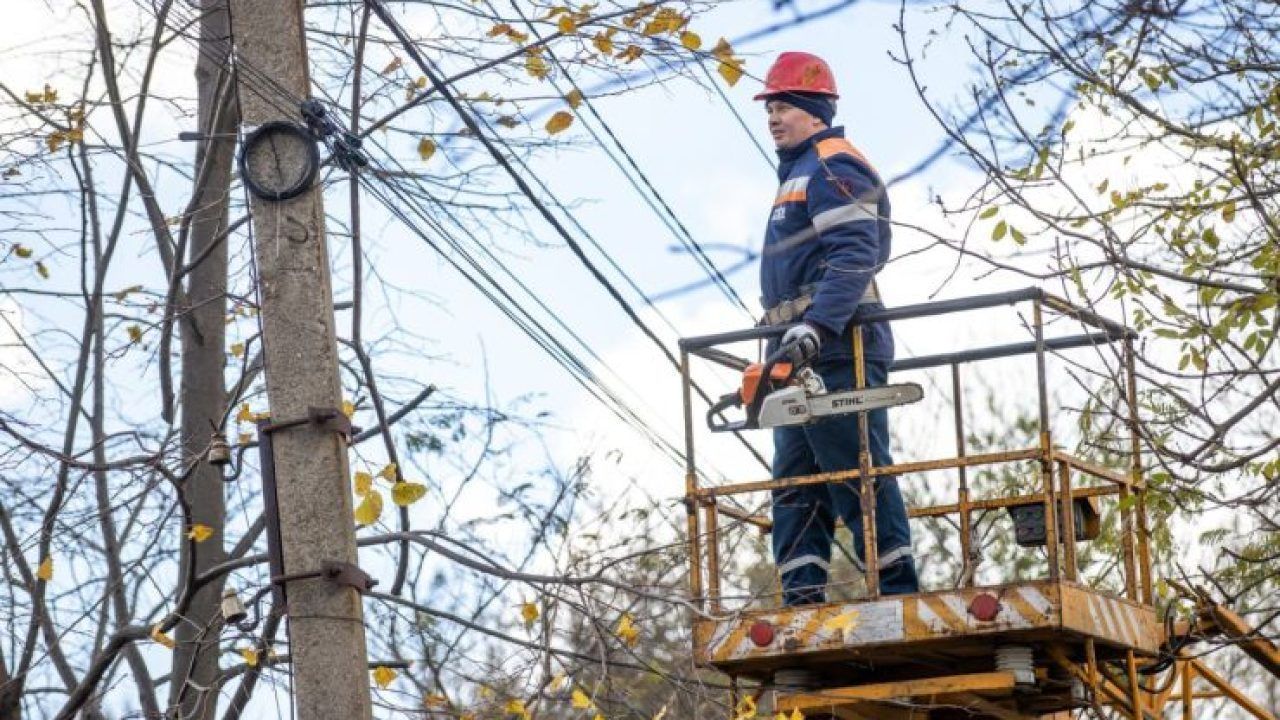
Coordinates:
(828,235)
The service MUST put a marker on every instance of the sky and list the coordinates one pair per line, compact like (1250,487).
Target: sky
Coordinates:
(711,172)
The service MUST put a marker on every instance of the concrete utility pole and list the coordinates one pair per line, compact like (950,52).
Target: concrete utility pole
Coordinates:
(326,625)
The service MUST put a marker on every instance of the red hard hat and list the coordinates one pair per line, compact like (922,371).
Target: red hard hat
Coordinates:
(799,72)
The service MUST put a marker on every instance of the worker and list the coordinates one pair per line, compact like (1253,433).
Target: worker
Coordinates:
(828,235)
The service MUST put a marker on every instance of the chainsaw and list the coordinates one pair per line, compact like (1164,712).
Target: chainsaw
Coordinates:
(776,393)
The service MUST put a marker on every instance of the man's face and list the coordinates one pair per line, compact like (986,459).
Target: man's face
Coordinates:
(790,125)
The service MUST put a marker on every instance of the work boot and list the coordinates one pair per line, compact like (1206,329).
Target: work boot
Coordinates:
(795,680)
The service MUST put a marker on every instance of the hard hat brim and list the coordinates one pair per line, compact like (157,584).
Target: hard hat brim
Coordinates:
(767,94)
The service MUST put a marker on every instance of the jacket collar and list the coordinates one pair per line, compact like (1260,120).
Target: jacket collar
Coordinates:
(789,155)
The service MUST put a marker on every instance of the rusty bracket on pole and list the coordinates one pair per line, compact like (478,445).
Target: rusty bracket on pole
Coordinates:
(330,419)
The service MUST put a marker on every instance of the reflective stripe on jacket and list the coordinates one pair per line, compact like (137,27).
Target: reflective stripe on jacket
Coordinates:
(829,229)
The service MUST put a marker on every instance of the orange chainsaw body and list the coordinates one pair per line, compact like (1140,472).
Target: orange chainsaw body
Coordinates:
(751,378)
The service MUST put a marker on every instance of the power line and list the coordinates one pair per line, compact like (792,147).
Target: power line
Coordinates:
(257,79)
(493,291)
(666,214)
(424,65)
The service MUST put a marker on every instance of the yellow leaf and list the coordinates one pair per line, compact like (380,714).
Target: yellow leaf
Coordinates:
(200,532)
(843,621)
(426,148)
(630,54)
(34,98)
(157,635)
(369,509)
(580,700)
(603,43)
(21,251)
(508,121)
(559,122)
(517,708)
(746,708)
(731,71)
(45,570)
(245,414)
(499,29)
(250,656)
(643,11)
(796,715)
(392,66)
(557,682)
(435,700)
(55,139)
(363,483)
(536,66)
(50,95)
(598,717)
(75,135)
(627,631)
(529,613)
(135,333)
(388,472)
(668,20)
(566,24)
(407,493)
(237,349)
(348,408)
(723,50)
(690,40)
(574,99)
(661,713)
(245,438)
(120,296)
(383,675)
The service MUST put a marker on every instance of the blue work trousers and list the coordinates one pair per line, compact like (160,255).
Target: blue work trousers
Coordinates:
(804,516)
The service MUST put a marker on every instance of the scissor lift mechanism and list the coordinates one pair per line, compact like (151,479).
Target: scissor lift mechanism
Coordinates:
(956,653)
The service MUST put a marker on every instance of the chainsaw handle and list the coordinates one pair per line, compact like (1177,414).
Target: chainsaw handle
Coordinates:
(766,383)
(733,399)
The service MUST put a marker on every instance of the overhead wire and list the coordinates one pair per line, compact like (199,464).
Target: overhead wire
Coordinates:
(265,86)
(511,307)
(652,197)
(256,81)
(434,79)
(493,291)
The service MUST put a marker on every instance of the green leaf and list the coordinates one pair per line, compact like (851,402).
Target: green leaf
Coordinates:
(989,213)
(999,231)
(1210,238)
